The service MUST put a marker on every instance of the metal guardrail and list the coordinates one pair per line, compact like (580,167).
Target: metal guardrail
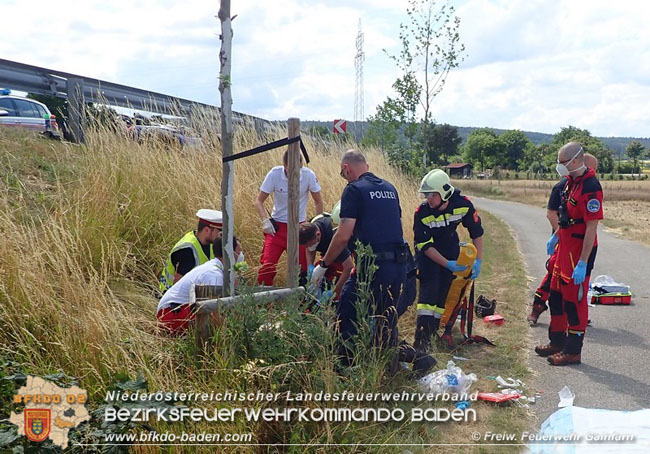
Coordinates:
(44,81)
(80,89)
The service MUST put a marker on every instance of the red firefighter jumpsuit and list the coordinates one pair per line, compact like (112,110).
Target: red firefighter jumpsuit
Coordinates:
(581,202)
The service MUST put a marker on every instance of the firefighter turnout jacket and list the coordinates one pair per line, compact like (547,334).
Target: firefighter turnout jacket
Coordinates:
(437,229)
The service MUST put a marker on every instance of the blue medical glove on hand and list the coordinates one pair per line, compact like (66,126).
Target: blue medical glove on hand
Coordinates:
(579,272)
(550,244)
(310,270)
(327,295)
(453,267)
(476,269)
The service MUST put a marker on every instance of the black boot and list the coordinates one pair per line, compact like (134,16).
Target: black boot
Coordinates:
(574,343)
(426,326)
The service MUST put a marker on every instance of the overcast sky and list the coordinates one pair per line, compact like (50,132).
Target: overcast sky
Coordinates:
(531,64)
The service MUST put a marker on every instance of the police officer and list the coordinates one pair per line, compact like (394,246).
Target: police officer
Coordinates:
(193,249)
(437,248)
(580,210)
(371,214)
(552,214)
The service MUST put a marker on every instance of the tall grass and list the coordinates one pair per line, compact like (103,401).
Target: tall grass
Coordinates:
(83,232)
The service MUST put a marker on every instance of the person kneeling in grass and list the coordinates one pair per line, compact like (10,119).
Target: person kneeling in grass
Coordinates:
(174,313)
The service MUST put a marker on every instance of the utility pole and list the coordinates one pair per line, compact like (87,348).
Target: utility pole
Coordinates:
(228,179)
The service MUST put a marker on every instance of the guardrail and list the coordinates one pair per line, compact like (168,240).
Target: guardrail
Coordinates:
(80,90)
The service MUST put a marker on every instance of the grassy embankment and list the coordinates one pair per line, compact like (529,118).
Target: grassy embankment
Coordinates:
(83,233)
(626,203)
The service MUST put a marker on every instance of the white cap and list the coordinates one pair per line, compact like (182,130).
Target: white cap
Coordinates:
(213,218)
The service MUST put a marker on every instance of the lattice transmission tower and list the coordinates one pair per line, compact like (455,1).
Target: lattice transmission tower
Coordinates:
(358,90)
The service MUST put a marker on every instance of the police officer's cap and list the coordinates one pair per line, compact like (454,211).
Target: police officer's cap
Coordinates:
(214,218)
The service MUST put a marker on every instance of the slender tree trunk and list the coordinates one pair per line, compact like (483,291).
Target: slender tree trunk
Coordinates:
(227,182)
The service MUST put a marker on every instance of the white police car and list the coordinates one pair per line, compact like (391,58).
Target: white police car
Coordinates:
(26,113)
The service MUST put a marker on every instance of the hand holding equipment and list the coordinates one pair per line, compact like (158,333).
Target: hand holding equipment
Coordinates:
(476,269)
(453,267)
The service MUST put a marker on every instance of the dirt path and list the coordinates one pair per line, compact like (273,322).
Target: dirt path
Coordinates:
(615,369)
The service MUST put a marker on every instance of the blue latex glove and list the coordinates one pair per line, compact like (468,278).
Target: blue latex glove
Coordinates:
(451,266)
(579,272)
(550,244)
(310,269)
(327,295)
(476,269)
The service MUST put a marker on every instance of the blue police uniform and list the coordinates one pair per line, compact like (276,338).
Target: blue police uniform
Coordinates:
(374,204)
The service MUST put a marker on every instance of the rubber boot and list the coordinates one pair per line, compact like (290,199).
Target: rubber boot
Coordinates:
(446,341)
(426,326)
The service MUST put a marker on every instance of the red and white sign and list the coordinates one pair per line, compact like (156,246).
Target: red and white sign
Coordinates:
(340,127)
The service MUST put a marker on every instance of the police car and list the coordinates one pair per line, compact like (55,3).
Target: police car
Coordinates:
(26,113)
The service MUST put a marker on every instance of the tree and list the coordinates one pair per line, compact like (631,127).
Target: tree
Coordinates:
(484,147)
(430,48)
(516,143)
(430,44)
(538,159)
(393,128)
(589,143)
(440,142)
(635,151)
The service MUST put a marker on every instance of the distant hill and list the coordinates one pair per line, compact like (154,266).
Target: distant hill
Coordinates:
(617,144)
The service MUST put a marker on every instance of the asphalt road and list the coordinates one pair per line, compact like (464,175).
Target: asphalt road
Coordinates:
(615,369)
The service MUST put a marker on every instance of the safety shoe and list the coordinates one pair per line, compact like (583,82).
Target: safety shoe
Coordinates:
(536,312)
(563,359)
(445,341)
(547,350)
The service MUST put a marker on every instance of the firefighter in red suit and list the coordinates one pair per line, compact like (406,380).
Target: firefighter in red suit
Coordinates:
(580,210)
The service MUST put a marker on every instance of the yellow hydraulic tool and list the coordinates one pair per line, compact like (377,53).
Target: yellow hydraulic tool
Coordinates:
(461,282)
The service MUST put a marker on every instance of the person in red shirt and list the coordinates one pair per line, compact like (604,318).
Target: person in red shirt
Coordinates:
(580,210)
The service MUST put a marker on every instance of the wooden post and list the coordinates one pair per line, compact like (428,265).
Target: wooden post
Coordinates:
(228,179)
(293,173)
(76,109)
(202,325)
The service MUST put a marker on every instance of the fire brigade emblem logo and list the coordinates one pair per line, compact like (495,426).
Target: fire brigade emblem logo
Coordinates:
(37,423)
(593,206)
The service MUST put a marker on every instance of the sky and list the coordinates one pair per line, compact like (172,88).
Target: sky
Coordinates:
(534,65)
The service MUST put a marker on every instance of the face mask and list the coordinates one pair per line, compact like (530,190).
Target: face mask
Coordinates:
(313,247)
(240,257)
(563,170)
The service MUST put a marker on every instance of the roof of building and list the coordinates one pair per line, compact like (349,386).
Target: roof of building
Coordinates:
(457,165)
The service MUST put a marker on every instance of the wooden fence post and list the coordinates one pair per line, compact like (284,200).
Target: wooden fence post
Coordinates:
(293,171)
